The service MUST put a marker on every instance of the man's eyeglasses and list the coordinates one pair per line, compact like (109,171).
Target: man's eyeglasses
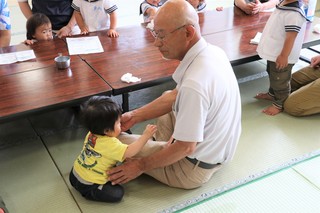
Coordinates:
(161,35)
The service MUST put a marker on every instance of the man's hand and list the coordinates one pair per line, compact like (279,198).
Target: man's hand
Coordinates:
(315,62)
(129,170)
(127,121)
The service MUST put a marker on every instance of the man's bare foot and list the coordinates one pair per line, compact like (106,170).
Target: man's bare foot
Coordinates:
(272,110)
(264,96)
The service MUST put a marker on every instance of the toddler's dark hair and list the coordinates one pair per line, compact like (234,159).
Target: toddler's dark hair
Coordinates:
(99,114)
(35,21)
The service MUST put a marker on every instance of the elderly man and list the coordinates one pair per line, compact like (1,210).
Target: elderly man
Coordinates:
(205,105)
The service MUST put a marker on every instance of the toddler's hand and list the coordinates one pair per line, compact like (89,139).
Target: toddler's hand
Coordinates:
(84,30)
(112,33)
(150,130)
(29,42)
(219,8)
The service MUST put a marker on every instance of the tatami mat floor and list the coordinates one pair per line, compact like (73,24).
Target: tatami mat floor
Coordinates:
(37,154)
(294,189)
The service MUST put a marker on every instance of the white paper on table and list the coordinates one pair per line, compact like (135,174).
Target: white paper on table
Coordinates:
(9,58)
(84,45)
(256,39)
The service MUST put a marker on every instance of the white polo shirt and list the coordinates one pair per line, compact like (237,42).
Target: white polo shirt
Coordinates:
(208,105)
(284,19)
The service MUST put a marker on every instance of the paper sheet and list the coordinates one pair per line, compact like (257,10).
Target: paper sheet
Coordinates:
(256,39)
(84,45)
(9,58)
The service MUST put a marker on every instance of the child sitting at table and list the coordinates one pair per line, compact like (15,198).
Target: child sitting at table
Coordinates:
(96,15)
(38,28)
(102,150)
(280,45)
(148,9)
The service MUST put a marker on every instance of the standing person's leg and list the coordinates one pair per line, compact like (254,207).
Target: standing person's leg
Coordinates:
(280,84)
(305,99)
(266,95)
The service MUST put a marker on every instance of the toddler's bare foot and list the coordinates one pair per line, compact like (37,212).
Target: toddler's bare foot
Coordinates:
(264,96)
(272,110)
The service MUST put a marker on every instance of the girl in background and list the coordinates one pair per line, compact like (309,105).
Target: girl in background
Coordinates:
(38,28)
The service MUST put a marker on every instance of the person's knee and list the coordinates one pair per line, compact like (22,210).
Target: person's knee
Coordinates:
(111,193)
(292,108)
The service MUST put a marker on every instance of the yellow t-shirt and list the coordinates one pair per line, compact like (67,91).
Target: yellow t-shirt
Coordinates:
(99,154)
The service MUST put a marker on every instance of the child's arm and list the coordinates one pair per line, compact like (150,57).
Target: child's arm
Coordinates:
(151,12)
(136,146)
(113,24)
(83,27)
(25,9)
(282,59)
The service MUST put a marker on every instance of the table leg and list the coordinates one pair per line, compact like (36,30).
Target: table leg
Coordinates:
(125,102)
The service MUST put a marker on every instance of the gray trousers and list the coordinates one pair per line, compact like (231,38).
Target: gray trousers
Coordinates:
(279,83)
(305,97)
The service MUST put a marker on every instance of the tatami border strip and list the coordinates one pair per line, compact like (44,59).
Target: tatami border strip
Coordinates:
(218,191)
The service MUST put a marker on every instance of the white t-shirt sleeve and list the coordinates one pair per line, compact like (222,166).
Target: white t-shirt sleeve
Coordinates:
(190,116)
(109,6)
(145,7)
(292,23)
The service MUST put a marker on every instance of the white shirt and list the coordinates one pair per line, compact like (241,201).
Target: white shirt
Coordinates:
(95,14)
(144,6)
(208,105)
(282,20)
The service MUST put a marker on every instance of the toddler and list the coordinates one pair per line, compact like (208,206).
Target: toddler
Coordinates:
(94,15)
(149,8)
(102,150)
(280,45)
(38,28)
